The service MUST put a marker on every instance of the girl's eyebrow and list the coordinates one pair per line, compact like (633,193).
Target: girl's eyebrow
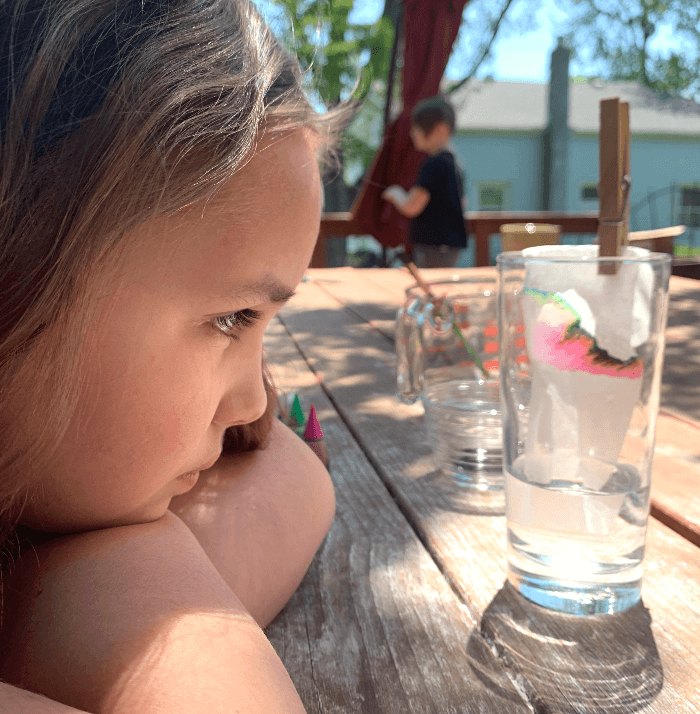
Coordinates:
(269,289)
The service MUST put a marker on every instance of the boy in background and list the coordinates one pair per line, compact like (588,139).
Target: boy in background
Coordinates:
(437,232)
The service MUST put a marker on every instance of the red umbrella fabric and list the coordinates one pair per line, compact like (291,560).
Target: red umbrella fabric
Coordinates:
(430,29)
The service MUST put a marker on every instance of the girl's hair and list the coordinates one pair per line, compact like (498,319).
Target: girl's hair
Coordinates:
(112,111)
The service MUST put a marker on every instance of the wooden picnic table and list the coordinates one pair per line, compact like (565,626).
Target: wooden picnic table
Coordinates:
(404,608)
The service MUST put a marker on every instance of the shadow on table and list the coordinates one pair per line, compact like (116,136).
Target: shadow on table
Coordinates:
(564,663)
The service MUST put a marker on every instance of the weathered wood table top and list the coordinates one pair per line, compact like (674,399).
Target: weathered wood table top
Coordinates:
(405,607)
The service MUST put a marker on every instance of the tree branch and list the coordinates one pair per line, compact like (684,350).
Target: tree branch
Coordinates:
(484,54)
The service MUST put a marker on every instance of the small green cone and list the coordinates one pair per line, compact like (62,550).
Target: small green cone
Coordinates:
(296,416)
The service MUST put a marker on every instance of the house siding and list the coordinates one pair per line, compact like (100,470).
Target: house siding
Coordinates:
(516,157)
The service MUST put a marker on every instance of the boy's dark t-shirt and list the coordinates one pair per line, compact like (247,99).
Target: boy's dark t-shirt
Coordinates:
(442,220)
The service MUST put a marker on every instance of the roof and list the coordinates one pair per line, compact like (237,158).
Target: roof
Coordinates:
(522,106)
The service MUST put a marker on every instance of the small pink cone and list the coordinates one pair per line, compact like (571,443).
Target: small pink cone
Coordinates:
(313,428)
(313,437)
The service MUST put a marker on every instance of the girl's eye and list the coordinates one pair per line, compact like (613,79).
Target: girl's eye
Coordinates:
(232,324)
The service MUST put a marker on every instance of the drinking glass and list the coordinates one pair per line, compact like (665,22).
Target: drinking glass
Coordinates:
(581,351)
(447,355)
(430,350)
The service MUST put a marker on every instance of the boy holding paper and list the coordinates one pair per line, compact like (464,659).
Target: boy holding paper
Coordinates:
(434,203)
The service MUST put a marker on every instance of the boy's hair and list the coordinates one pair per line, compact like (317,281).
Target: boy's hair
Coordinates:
(428,113)
(112,112)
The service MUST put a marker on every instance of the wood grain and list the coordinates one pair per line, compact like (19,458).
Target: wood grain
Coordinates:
(356,367)
(374,626)
(374,295)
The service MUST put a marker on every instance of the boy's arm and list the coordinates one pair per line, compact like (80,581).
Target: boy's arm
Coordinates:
(136,619)
(260,518)
(410,203)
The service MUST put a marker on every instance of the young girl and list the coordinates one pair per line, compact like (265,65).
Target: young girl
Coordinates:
(159,201)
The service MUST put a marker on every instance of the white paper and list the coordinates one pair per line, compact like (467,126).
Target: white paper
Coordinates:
(580,407)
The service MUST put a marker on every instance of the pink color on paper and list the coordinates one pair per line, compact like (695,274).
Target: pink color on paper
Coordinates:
(552,347)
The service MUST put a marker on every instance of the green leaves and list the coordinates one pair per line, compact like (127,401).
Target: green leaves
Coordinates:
(654,42)
(344,59)
(343,56)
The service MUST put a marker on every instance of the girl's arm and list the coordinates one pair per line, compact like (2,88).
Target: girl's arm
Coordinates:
(20,701)
(137,620)
(260,518)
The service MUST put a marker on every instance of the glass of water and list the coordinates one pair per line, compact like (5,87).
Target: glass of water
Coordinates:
(581,351)
(463,424)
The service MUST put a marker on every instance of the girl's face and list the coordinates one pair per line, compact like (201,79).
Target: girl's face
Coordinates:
(174,356)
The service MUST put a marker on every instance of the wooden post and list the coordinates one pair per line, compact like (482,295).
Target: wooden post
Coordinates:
(481,249)
(614,183)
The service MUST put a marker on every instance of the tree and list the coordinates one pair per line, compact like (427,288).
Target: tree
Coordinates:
(482,23)
(653,42)
(343,59)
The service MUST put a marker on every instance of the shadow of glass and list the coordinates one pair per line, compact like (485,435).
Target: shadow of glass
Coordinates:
(564,663)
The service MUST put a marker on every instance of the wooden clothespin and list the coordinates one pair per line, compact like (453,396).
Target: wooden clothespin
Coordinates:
(615,181)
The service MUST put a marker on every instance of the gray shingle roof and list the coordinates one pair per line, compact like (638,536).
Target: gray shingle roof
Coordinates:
(523,106)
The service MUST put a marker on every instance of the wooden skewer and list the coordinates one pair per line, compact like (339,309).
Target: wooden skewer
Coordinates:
(422,284)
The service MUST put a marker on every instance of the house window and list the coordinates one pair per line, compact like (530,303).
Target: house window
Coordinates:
(589,191)
(494,196)
(690,206)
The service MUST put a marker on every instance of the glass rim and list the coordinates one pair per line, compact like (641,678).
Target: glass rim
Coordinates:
(454,280)
(516,257)
(470,386)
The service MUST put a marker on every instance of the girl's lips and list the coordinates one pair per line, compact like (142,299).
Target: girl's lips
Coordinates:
(203,467)
(187,481)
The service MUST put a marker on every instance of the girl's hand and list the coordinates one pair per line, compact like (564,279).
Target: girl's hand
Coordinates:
(395,194)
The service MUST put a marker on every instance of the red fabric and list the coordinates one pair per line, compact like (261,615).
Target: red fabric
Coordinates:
(430,29)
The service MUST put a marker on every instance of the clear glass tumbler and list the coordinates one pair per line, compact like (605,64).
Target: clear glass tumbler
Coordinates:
(581,352)
(463,422)
(447,337)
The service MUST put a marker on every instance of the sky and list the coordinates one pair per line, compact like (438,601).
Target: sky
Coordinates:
(523,58)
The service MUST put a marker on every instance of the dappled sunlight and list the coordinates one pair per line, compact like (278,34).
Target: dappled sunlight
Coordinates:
(389,405)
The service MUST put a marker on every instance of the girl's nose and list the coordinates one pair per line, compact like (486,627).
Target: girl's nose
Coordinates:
(245,400)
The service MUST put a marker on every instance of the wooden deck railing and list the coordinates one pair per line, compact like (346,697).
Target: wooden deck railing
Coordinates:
(481,223)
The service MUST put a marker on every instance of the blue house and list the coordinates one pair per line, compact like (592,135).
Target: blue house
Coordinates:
(526,148)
